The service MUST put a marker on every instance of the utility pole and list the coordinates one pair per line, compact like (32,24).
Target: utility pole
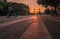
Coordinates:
(34,10)
(39,11)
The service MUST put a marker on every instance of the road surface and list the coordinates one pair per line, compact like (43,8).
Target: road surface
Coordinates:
(31,27)
(53,25)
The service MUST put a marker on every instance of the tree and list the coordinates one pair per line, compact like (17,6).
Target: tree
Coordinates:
(17,7)
(20,8)
(46,3)
(3,6)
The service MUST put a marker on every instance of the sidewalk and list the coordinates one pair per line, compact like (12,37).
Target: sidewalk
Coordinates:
(37,30)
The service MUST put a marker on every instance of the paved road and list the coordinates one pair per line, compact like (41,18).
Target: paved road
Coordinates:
(53,26)
(30,27)
(14,29)
(37,30)
(4,19)
(54,18)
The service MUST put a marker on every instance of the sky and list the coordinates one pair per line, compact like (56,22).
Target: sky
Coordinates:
(31,3)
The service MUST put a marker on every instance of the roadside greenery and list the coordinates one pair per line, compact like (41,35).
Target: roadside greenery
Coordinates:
(19,8)
(53,3)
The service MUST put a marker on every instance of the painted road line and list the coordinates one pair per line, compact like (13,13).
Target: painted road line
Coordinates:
(15,21)
(37,30)
(53,19)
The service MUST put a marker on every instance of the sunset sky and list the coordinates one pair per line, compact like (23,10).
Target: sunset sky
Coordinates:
(31,3)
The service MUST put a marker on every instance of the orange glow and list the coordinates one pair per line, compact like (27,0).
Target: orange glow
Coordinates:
(35,18)
(31,3)
(50,7)
(31,10)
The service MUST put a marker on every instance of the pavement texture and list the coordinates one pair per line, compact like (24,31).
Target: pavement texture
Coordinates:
(53,26)
(14,29)
(4,19)
(37,30)
(30,27)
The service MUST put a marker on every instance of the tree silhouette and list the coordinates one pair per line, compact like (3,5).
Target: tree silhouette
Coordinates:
(46,3)
(3,6)
(19,8)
